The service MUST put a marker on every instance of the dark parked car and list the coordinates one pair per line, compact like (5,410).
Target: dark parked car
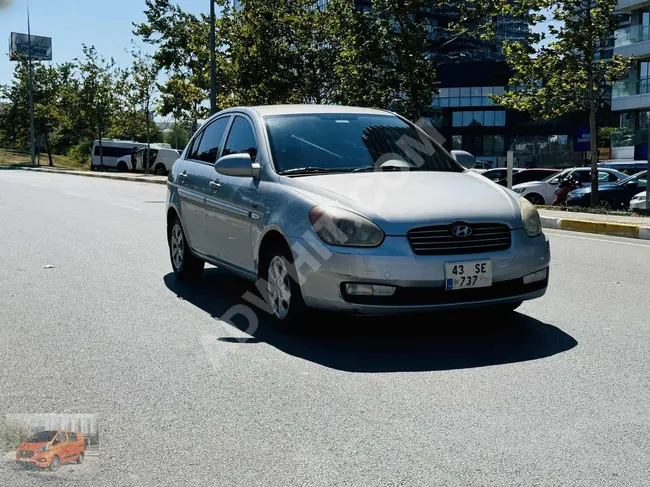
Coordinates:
(527,176)
(616,195)
(498,173)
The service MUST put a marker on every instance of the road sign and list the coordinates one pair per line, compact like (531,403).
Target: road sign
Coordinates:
(19,45)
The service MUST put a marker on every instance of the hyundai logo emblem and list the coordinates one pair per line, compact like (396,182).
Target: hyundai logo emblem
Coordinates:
(461,231)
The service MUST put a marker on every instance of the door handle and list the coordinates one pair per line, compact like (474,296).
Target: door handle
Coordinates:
(215,184)
(183,175)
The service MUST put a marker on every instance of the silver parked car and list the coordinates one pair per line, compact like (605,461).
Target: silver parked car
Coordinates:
(349,209)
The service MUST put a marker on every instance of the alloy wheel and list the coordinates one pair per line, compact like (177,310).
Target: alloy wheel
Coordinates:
(279,287)
(177,245)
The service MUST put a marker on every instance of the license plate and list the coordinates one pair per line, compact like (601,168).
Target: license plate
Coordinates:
(468,275)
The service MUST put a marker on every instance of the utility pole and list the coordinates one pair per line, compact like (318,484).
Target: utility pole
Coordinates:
(32,130)
(213,61)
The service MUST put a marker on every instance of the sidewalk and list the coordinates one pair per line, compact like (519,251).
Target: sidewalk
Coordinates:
(621,226)
(140,178)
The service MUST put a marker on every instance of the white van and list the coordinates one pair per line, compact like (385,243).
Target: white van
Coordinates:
(112,150)
(161,159)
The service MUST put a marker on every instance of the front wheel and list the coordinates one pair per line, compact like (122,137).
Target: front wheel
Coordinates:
(282,288)
(535,199)
(55,464)
(80,458)
(186,265)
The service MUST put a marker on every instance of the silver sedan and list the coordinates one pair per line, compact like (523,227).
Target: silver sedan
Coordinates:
(349,209)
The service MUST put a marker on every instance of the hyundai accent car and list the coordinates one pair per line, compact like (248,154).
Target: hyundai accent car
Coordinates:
(349,209)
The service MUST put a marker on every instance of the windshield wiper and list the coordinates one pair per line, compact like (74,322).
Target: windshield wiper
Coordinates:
(385,168)
(310,170)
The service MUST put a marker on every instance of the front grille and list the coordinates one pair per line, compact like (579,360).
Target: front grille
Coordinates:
(26,454)
(439,239)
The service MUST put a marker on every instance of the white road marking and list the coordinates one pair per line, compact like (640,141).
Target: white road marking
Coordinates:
(125,206)
(617,242)
(36,186)
(75,194)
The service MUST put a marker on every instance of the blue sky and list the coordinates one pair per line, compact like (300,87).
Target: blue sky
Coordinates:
(103,23)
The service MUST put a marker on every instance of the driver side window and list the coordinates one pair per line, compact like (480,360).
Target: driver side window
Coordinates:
(241,139)
(60,438)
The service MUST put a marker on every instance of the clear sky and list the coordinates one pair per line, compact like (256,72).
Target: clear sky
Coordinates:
(103,23)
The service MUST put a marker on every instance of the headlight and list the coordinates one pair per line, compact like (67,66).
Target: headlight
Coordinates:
(44,448)
(530,218)
(519,190)
(341,227)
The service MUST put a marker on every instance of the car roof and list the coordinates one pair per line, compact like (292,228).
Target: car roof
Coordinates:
(269,110)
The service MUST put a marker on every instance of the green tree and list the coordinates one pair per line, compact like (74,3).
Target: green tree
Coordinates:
(144,74)
(182,52)
(98,99)
(178,136)
(567,74)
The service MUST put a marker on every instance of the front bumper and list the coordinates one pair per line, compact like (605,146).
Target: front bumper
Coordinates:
(36,461)
(420,280)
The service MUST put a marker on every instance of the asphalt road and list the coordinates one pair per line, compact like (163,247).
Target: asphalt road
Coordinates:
(559,398)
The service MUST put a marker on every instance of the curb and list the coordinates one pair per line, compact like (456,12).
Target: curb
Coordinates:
(115,177)
(596,227)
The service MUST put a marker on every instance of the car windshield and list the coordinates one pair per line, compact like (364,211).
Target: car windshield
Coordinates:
(352,142)
(634,177)
(42,436)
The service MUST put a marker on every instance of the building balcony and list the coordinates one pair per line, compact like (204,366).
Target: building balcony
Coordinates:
(631,94)
(629,5)
(633,41)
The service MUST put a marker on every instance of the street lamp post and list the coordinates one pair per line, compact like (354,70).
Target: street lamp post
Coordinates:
(213,61)
(30,74)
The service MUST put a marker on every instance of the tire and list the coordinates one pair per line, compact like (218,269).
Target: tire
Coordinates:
(187,267)
(122,167)
(80,458)
(281,287)
(55,464)
(535,199)
(161,170)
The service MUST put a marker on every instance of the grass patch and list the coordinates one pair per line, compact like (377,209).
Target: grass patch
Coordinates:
(597,210)
(16,159)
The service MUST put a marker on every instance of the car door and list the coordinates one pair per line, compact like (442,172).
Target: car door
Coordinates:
(197,171)
(231,201)
(61,447)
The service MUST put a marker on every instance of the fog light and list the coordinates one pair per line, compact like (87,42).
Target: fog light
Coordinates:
(42,460)
(369,290)
(535,276)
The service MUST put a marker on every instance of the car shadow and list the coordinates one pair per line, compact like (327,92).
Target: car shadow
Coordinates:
(422,342)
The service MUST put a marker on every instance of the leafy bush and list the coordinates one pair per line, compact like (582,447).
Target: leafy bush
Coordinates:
(81,152)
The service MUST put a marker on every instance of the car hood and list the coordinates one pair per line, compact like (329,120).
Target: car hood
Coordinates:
(399,201)
(586,189)
(32,446)
(531,184)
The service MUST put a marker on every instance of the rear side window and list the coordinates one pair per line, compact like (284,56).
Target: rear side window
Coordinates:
(72,437)
(612,177)
(241,139)
(209,146)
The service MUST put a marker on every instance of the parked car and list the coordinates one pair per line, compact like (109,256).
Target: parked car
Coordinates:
(639,202)
(51,449)
(527,176)
(349,209)
(483,165)
(543,192)
(160,160)
(498,173)
(615,195)
(111,152)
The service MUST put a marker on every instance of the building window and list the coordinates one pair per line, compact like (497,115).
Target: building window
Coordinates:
(456,142)
(644,77)
(474,96)
(488,145)
(499,145)
(482,118)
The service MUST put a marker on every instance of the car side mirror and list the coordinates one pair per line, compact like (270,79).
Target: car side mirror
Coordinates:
(554,181)
(465,159)
(633,184)
(237,165)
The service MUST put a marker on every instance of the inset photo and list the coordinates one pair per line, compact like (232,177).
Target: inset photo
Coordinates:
(65,445)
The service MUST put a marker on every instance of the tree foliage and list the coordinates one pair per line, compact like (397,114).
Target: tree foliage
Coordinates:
(568,73)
